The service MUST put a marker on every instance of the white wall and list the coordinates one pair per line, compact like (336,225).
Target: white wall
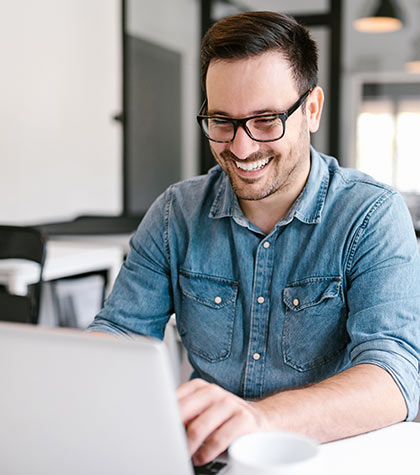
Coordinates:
(175,24)
(60,152)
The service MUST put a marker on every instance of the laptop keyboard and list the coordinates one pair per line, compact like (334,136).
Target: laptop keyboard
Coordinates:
(210,468)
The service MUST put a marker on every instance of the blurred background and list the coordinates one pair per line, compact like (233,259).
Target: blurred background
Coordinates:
(98,98)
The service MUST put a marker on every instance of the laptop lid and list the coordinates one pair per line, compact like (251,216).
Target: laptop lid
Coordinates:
(73,403)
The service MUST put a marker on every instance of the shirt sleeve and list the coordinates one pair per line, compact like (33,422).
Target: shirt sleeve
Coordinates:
(383,295)
(141,301)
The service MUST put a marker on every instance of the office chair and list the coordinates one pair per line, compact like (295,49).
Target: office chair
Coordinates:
(18,242)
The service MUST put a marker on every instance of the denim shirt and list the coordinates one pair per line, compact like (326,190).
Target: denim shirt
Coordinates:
(334,284)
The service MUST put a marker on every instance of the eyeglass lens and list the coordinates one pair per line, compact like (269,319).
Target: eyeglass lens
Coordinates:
(260,128)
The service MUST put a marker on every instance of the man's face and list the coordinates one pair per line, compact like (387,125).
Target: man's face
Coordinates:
(251,86)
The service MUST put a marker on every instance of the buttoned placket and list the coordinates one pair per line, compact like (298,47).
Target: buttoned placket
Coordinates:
(260,311)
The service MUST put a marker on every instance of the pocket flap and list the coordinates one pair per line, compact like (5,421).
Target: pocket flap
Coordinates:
(309,292)
(212,291)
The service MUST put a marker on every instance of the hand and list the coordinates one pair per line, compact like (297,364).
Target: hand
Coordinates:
(214,417)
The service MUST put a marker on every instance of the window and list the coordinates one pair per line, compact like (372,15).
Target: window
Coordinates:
(388,134)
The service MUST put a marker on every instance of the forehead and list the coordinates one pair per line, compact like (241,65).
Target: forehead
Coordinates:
(241,86)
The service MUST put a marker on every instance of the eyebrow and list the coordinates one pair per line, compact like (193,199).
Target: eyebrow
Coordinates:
(251,114)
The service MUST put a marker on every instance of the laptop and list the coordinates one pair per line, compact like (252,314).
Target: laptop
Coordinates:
(74,403)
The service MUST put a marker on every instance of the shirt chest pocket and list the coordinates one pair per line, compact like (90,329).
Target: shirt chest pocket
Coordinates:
(314,329)
(206,317)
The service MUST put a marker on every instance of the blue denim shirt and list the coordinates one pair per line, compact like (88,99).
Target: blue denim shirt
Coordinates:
(333,285)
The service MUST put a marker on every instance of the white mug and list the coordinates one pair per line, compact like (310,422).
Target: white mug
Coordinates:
(274,453)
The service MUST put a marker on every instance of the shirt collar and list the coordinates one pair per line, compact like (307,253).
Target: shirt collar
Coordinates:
(313,195)
(226,203)
(307,207)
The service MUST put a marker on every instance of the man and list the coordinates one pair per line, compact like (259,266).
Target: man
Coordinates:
(294,281)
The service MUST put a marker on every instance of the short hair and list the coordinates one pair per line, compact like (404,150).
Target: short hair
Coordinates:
(252,33)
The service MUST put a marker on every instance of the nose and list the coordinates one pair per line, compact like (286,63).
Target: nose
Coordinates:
(243,146)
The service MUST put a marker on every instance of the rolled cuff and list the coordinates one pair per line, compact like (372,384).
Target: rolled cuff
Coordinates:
(398,362)
(103,325)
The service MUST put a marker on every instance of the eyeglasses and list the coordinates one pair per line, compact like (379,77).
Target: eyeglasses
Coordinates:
(261,128)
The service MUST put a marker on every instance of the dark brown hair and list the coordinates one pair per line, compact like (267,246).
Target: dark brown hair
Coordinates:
(252,33)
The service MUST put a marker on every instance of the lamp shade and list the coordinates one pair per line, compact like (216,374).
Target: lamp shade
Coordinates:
(386,18)
(413,65)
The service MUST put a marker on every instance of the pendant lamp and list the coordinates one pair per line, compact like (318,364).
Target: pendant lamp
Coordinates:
(385,19)
(413,66)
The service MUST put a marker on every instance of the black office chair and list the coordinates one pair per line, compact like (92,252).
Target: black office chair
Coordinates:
(18,242)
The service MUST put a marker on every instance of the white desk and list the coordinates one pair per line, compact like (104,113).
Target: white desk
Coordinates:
(119,240)
(63,259)
(393,450)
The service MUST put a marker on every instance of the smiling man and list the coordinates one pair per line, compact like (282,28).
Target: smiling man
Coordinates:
(267,168)
(294,281)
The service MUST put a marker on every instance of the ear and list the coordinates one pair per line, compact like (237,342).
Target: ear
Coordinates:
(314,104)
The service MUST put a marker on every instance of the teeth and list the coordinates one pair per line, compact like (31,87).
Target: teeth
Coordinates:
(253,165)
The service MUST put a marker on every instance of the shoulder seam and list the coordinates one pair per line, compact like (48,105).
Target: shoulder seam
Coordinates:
(168,210)
(365,181)
(360,230)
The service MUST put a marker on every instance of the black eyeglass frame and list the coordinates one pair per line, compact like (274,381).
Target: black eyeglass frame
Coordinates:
(283,116)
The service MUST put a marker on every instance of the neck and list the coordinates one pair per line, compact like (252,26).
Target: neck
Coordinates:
(267,212)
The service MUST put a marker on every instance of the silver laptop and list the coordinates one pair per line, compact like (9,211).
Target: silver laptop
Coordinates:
(73,403)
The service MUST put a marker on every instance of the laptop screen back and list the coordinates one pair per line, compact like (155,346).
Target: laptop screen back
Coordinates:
(74,403)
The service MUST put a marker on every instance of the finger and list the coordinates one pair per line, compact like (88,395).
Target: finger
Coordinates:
(189,387)
(245,419)
(220,440)
(186,394)
(197,402)
(200,428)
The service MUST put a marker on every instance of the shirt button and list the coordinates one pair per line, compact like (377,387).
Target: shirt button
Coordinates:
(256,356)
(296,302)
(217,300)
(266,244)
(260,299)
